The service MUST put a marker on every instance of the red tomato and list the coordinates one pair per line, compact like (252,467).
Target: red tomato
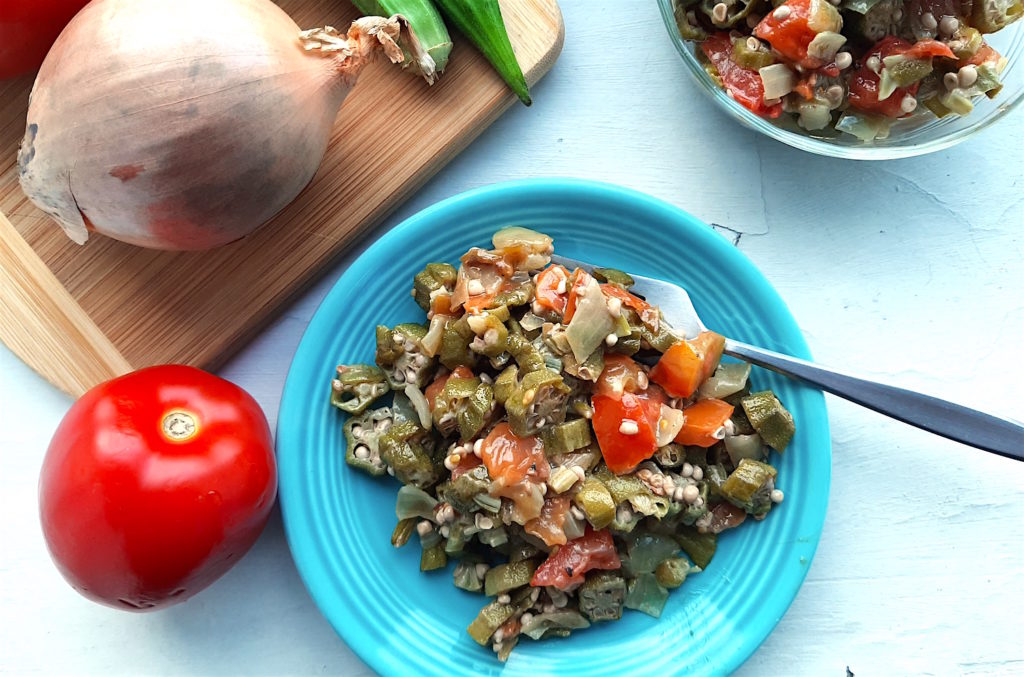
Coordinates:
(623,452)
(620,374)
(567,566)
(548,527)
(155,484)
(703,419)
(578,280)
(648,313)
(28,29)
(743,84)
(985,54)
(791,35)
(466,463)
(864,82)
(509,457)
(548,282)
(687,364)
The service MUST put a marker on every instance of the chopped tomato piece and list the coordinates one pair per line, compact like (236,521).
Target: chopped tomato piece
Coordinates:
(652,398)
(985,54)
(687,364)
(509,457)
(578,280)
(567,566)
(709,346)
(743,84)
(864,83)
(648,313)
(794,24)
(467,463)
(548,283)
(548,527)
(441,304)
(704,419)
(435,388)
(621,374)
(624,434)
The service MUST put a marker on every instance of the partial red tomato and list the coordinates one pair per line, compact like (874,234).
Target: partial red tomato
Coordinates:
(577,281)
(865,83)
(551,292)
(743,84)
(624,434)
(648,313)
(685,365)
(567,566)
(28,29)
(509,457)
(155,484)
(621,374)
(549,526)
(704,419)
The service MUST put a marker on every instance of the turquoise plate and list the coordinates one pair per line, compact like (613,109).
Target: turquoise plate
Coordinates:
(339,522)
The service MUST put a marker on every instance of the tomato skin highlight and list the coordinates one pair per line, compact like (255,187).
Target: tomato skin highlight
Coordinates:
(567,566)
(623,452)
(140,510)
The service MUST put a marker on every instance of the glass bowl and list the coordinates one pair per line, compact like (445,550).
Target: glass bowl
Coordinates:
(915,135)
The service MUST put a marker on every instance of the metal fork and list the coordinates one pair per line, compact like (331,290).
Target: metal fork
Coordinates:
(975,428)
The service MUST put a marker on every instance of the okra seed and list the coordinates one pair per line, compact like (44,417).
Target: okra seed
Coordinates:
(580,473)
(526,617)
(502,599)
(844,60)
(336,384)
(577,513)
(897,15)
(541,421)
(691,18)
(834,95)
(874,64)
(956,45)
(967,76)
(611,339)
(475,287)
(560,602)
(362,452)
(391,471)
(699,503)
(481,570)
(691,493)
(949,25)
(543,488)
(908,104)
(486,378)
(483,522)
(412,292)
(679,494)
(781,13)
(642,381)
(719,12)
(400,376)
(628,427)
(496,647)
(753,43)
(445,530)
(615,306)
(357,431)
(698,474)
(777,496)
(687,470)
(549,608)
(424,528)
(644,474)
(478,447)
(951,80)
(534,594)
(928,21)
(560,289)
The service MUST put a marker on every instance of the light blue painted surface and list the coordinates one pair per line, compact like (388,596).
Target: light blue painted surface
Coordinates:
(908,270)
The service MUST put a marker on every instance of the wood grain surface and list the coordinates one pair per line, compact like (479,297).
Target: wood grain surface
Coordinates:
(82,314)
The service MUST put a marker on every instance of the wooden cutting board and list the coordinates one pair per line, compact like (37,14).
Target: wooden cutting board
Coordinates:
(80,315)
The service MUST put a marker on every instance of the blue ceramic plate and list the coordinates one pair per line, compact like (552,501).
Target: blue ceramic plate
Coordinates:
(339,522)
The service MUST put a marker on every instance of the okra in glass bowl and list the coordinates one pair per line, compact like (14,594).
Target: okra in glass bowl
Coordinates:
(859,79)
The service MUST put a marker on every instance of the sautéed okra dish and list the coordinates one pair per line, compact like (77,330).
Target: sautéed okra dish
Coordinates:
(851,66)
(557,439)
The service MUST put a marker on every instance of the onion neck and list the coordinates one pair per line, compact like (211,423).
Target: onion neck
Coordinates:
(366,37)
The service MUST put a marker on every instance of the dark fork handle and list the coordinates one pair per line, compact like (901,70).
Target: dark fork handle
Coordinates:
(968,426)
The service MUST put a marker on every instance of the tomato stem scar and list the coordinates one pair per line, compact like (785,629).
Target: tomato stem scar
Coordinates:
(179,425)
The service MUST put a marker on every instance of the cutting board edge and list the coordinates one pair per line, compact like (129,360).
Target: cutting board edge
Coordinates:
(75,354)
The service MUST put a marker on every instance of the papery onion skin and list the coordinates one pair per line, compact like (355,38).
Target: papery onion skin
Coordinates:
(184,124)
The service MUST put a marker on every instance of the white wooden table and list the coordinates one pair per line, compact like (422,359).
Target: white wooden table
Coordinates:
(908,270)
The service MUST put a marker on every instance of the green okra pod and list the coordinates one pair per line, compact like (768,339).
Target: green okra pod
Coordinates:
(434,278)
(362,439)
(482,23)
(407,449)
(356,386)
(565,437)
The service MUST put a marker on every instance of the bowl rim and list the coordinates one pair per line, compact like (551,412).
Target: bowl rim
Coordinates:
(808,143)
(296,524)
